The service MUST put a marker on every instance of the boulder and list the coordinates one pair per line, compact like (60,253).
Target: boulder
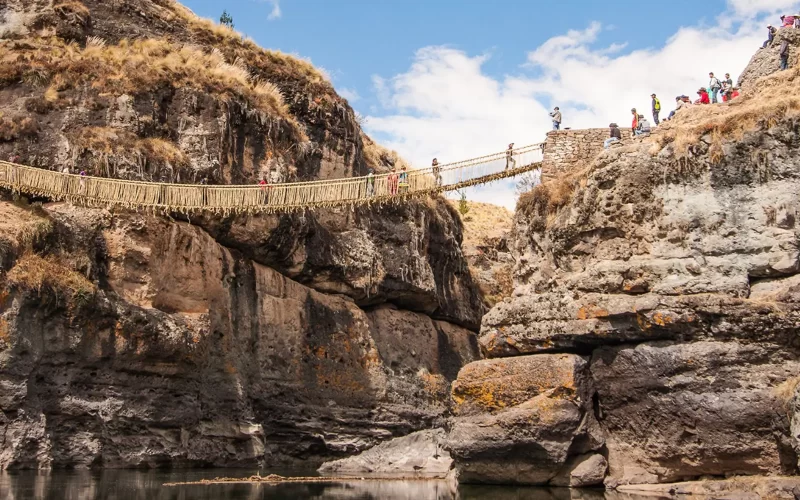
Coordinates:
(674,411)
(419,454)
(520,420)
(582,471)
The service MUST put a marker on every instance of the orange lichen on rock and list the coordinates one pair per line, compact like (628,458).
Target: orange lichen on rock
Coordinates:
(591,312)
(494,384)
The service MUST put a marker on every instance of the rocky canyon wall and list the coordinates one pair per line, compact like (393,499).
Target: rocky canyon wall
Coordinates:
(184,352)
(653,332)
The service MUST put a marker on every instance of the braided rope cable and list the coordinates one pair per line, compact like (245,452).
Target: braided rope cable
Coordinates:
(275,198)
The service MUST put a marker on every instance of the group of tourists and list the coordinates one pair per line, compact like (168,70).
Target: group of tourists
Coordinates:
(787,21)
(717,90)
(396,182)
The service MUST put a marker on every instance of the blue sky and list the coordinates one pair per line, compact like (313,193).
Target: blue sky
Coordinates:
(454,79)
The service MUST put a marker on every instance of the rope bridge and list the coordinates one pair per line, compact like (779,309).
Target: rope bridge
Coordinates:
(285,197)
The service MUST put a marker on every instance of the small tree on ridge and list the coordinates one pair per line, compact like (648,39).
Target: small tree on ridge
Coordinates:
(226,19)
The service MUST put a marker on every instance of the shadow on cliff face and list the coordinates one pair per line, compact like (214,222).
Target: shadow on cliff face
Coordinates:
(407,254)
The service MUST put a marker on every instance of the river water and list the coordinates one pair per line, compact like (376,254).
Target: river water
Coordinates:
(149,485)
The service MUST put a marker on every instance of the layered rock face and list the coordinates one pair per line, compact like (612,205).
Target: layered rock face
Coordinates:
(131,340)
(189,353)
(670,282)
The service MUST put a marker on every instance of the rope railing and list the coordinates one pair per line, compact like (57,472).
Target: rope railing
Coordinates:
(285,197)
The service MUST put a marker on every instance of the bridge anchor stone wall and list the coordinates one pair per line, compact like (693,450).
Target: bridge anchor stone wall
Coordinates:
(566,149)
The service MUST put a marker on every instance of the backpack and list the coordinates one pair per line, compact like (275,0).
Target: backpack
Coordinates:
(714,83)
(657,104)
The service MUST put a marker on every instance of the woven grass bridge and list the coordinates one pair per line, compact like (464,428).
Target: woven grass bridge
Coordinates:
(285,197)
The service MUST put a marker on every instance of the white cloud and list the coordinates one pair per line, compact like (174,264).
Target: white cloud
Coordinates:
(446,105)
(752,7)
(350,94)
(276,10)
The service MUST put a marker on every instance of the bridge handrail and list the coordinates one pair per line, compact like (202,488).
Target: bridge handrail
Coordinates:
(271,198)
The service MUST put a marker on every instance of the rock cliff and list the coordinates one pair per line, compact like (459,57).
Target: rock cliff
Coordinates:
(654,324)
(767,60)
(131,340)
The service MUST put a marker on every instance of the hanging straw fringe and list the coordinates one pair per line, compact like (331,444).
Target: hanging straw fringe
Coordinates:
(276,198)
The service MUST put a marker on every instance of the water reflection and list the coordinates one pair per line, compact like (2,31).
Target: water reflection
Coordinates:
(148,485)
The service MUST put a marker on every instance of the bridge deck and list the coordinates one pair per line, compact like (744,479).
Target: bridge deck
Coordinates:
(100,191)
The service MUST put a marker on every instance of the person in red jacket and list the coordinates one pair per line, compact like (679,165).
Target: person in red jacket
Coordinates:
(635,122)
(703,93)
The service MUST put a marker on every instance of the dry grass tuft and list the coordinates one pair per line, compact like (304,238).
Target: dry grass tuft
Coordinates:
(787,390)
(772,99)
(16,127)
(105,141)
(380,158)
(547,198)
(133,67)
(72,9)
(95,41)
(34,233)
(51,275)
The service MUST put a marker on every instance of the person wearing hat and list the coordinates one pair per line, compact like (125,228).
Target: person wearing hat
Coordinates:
(771,30)
(635,122)
(679,105)
(556,116)
(703,93)
(656,108)
(614,135)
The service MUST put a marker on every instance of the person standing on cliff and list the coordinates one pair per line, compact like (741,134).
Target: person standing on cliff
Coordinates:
(784,54)
(656,108)
(510,156)
(635,122)
(556,116)
(713,87)
(727,87)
